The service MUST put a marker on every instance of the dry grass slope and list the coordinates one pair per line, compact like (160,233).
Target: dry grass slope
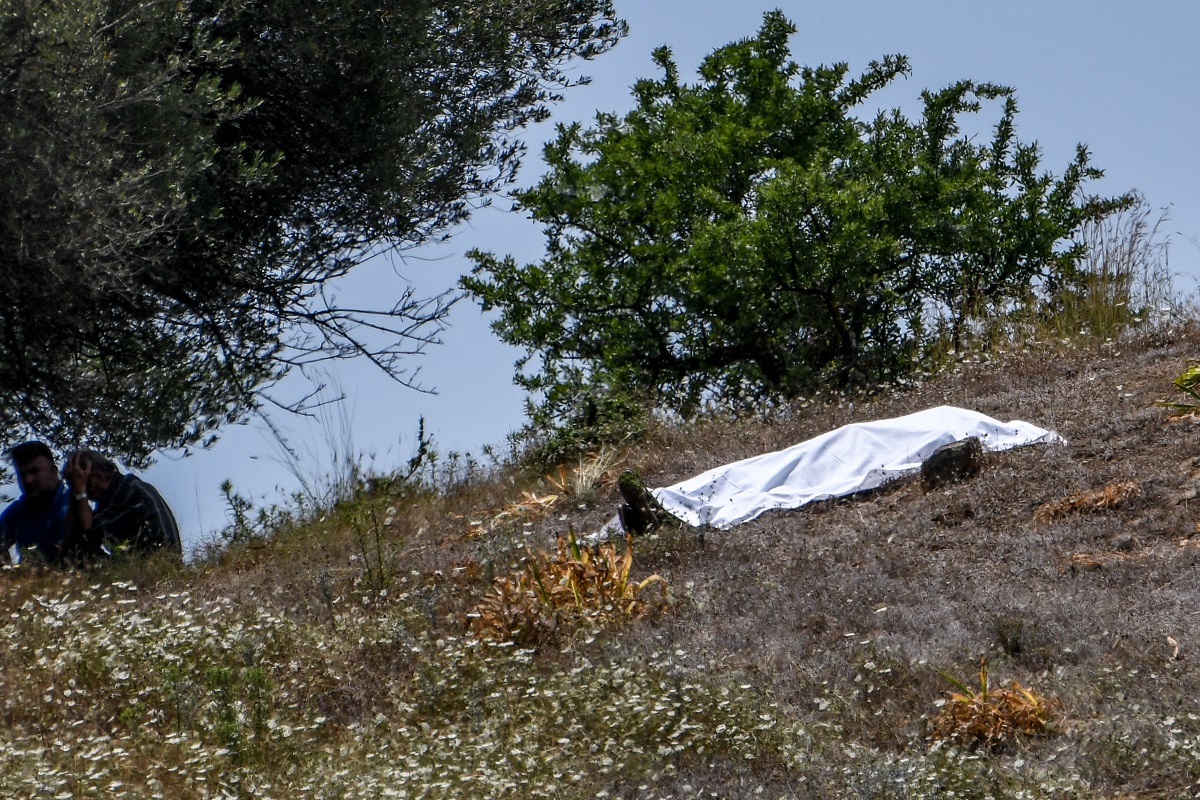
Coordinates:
(799,656)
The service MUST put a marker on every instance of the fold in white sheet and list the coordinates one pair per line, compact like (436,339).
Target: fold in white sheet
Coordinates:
(853,458)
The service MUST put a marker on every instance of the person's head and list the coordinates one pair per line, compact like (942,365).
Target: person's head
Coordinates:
(102,473)
(37,474)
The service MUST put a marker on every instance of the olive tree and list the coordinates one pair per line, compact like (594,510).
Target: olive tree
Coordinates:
(183,181)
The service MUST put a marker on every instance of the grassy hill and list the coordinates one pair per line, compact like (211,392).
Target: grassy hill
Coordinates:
(427,638)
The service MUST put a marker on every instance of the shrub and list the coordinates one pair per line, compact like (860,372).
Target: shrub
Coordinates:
(580,582)
(993,718)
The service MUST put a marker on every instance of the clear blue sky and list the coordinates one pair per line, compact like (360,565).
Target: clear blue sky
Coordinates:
(1117,76)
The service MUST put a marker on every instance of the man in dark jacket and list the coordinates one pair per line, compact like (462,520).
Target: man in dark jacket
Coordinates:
(129,512)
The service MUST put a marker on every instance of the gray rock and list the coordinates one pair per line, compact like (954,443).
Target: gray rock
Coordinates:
(952,462)
(1125,542)
(638,511)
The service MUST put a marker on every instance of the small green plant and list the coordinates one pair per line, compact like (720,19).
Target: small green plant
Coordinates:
(1187,382)
(240,707)
(576,421)
(132,715)
(220,681)
(240,528)
(181,697)
(371,539)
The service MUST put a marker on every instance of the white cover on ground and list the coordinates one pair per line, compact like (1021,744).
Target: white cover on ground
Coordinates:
(852,458)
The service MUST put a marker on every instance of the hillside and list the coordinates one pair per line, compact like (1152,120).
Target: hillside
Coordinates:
(340,654)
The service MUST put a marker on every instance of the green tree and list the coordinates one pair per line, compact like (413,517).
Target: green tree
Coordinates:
(748,237)
(180,183)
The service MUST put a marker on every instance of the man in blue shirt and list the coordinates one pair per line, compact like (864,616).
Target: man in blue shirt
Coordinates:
(35,521)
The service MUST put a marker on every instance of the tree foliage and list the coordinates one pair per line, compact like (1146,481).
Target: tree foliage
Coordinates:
(180,182)
(748,236)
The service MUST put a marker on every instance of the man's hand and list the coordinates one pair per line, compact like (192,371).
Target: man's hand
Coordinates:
(77,472)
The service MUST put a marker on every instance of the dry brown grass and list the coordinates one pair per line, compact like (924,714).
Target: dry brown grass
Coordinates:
(1102,499)
(530,506)
(800,653)
(593,472)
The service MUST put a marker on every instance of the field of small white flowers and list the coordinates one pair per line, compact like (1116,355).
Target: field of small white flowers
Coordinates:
(114,691)
(117,691)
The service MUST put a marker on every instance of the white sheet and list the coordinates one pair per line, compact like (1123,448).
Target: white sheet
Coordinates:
(852,458)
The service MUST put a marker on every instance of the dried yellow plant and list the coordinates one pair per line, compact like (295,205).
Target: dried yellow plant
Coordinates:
(1100,560)
(1102,499)
(530,506)
(579,582)
(993,718)
(594,470)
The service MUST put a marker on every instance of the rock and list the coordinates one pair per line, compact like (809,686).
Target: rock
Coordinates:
(639,510)
(952,462)
(1124,543)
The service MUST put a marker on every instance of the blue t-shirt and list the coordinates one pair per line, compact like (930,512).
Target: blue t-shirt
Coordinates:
(42,528)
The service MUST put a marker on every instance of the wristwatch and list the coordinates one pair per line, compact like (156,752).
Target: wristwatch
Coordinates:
(80,496)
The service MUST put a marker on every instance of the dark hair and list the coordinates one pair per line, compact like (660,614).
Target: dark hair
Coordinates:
(97,462)
(25,452)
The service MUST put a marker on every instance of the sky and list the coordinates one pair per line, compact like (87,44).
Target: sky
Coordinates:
(1116,76)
